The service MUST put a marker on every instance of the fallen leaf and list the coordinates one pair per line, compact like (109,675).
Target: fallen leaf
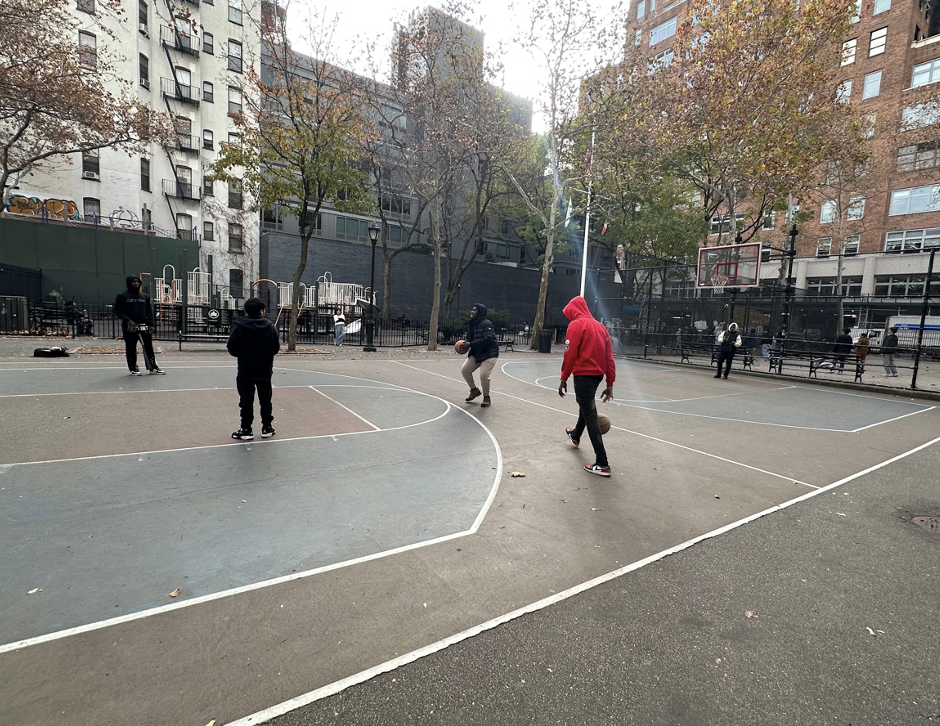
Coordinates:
(244,501)
(34,591)
(211,723)
(751,614)
(840,514)
(425,604)
(870,631)
(175,592)
(517,473)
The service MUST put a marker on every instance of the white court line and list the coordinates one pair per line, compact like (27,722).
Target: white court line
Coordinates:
(484,509)
(897,418)
(363,676)
(550,388)
(328,398)
(629,431)
(107,392)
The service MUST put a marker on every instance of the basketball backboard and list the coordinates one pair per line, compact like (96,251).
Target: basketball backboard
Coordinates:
(729,266)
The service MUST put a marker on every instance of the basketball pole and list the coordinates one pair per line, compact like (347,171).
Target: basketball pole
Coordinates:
(587,217)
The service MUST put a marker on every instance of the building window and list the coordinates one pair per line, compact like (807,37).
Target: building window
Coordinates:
(208,43)
(207,139)
(396,204)
(144,68)
(823,246)
(850,246)
(827,212)
(919,156)
(352,229)
(848,51)
(234,56)
(234,140)
(844,91)
(142,14)
(394,233)
(638,38)
(823,286)
(86,6)
(208,231)
(207,190)
(770,220)
(236,284)
(184,226)
(868,125)
(87,50)
(663,31)
(235,200)
(876,45)
(640,9)
(91,164)
(912,240)
(925,73)
(235,11)
(207,92)
(872,85)
(881,6)
(904,285)
(234,100)
(918,115)
(856,208)
(92,208)
(663,60)
(236,242)
(915,200)
(145,174)
(722,223)
(272,219)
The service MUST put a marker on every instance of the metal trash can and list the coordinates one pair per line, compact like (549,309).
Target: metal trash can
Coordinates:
(545,341)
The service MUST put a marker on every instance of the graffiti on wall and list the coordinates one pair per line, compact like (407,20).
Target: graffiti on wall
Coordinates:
(37,207)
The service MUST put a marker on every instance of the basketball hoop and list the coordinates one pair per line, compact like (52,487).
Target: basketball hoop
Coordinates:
(719,282)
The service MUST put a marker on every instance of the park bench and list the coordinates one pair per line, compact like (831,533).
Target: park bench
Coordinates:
(689,349)
(207,337)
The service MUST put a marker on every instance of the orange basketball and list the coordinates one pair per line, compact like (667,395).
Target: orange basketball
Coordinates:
(461,346)
(604,421)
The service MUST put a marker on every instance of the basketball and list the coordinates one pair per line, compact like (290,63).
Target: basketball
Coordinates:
(461,346)
(604,421)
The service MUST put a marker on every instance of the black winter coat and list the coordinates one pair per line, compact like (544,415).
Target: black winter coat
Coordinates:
(133,305)
(254,341)
(482,337)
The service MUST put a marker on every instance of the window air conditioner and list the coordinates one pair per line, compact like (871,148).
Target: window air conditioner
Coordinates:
(144,30)
(89,175)
(145,83)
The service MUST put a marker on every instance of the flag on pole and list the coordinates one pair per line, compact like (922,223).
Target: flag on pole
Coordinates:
(604,229)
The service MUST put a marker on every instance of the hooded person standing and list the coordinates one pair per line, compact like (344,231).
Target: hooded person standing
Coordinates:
(254,341)
(589,356)
(482,354)
(133,308)
(729,342)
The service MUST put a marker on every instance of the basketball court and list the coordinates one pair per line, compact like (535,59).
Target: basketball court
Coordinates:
(158,572)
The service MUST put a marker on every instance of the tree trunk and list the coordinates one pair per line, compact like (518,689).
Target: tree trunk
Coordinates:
(387,287)
(295,296)
(543,286)
(434,221)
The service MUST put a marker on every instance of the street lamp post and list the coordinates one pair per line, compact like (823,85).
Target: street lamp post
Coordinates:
(370,323)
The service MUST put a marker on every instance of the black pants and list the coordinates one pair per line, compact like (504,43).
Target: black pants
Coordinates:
(726,357)
(840,358)
(246,385)
(130,349)
(585,389)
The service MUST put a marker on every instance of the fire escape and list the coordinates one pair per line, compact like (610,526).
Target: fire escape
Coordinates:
(180,93)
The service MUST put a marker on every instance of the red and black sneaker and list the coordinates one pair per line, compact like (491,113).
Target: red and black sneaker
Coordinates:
(572,439)
(597,469)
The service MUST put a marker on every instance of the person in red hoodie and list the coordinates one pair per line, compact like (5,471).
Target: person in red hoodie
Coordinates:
(589,355)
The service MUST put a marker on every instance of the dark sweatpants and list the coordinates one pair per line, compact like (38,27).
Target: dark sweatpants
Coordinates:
(130,349)
(585,389)
(726,357)
(246,386)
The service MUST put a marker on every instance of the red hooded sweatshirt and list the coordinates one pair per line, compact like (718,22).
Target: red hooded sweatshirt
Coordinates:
(588,351)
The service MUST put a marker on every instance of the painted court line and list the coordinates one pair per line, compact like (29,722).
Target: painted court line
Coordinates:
(363,676)
(27,642)
(629,431)
(148,390)
(328,398)
(896,418)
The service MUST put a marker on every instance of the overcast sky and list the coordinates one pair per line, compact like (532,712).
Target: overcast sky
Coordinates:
(375,19)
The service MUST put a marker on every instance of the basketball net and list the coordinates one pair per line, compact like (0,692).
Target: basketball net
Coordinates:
(719,283)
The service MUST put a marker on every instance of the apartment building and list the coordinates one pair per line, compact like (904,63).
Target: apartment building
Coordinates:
(189,59)
(890,65)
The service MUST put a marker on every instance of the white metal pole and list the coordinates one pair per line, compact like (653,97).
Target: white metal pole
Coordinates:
(587,216)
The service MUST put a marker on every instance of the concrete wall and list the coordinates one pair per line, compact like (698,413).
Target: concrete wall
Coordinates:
(496,286)
(87,264)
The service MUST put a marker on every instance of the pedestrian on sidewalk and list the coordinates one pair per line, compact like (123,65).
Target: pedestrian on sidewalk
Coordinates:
(254,341)
(482,353)
(842,347)
(589,356)
(339,330)
(889,348)
(862,346)
(136,313)
(730,341)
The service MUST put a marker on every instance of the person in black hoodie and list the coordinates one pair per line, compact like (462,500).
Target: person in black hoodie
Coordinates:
(133,308)
(482,354)
(254,342)
(842,347)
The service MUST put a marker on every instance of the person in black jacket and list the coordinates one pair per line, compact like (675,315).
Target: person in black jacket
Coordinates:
(133,308)
(254,342)
(730,341)
(483,352)
(889,349)
(843,347)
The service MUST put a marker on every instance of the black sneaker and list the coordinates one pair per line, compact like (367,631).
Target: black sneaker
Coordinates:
(597,469)
(136,372)
(572,439)
(267,431)
(474,393)
(486,402)
(243,434)
(158,372)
